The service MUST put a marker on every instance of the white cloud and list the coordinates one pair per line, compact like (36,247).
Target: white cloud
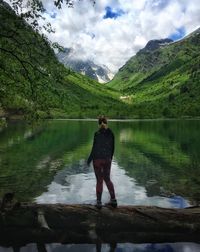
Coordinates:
(113,41)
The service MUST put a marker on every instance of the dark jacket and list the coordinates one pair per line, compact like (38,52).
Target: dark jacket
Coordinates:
(103,145)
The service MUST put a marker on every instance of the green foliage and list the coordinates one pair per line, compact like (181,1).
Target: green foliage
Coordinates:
(33,10)
(34,84)
(163,82)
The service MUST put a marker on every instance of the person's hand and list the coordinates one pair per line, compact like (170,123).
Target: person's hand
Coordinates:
(89,160)
(85,166)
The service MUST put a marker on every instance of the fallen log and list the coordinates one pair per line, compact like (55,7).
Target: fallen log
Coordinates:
(85,224)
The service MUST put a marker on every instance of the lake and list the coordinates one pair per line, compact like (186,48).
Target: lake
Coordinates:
(156,162)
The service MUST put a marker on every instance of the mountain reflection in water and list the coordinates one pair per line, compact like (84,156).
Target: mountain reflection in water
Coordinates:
(156,162)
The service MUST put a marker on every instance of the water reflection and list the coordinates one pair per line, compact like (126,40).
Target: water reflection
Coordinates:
(127,247)
(155,163)
(79,187)
(156,160)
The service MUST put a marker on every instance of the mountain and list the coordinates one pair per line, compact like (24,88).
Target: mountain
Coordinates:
(34,84)
(155,44)
(86,67)
(163,79)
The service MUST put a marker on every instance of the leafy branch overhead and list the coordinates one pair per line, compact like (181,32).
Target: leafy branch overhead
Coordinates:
(15,35)
(28,13)
(24,60)
(34,84)
(33,11)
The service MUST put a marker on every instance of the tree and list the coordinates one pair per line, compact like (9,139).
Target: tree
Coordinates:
(85,224)
(27,61)
(24,62)
(33,10)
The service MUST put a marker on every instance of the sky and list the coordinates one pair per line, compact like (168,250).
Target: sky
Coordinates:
(112,31)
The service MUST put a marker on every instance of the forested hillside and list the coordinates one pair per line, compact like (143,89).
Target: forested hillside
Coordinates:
(35,84)
(163,79)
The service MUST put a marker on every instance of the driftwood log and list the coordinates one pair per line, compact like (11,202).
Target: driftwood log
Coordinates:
(44,223)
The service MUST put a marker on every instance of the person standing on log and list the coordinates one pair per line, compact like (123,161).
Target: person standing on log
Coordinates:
(102,154)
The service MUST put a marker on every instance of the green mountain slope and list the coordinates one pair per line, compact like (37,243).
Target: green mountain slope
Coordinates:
(34,83)
(163,81)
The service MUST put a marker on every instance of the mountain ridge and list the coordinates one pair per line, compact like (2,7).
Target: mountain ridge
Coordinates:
(86,67)
(35,85)
(155,44)
(163,81)
(158,83)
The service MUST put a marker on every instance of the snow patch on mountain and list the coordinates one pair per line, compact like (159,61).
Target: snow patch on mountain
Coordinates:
(86,67)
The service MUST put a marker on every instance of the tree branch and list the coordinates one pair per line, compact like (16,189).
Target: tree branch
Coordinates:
(23,62)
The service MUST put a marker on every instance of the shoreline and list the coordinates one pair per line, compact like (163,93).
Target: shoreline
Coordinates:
(124,120)
(12,120)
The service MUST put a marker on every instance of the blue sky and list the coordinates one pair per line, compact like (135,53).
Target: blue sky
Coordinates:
(112,31)
(110,13)
(178,34)
(53,14)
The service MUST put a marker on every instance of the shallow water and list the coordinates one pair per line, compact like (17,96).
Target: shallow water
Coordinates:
(155,163)
(127,247)
(80,188)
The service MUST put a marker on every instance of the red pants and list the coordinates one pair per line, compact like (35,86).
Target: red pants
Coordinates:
(102,172)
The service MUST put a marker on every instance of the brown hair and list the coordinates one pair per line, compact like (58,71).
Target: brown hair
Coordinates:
(102,119)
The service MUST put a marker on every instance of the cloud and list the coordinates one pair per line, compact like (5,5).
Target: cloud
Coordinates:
(112,31)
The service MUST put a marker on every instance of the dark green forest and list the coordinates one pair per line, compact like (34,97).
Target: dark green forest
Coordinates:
(34,84)
(163,83)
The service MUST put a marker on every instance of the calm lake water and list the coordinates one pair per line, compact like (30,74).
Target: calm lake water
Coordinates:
(155,163)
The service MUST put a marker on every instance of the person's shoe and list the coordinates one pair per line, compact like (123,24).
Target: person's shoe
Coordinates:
(98,204)
(112,203)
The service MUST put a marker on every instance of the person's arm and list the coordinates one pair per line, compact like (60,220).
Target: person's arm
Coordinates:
(92,151)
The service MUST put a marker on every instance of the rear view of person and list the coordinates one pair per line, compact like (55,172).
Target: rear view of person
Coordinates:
(102,154)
